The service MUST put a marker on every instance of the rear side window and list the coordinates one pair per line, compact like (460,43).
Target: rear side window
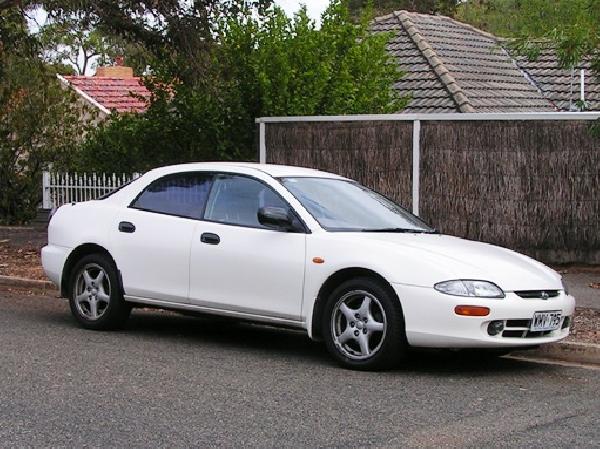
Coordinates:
(182,194)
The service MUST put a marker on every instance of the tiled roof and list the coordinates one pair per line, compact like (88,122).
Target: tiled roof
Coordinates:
(562,86)
(114,94)
(452,67)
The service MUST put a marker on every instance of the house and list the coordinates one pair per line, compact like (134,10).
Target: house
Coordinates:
(564,87)
(453,67)
(111,89)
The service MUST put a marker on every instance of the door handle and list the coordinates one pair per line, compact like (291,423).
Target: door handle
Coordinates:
(210,238)
(126,226)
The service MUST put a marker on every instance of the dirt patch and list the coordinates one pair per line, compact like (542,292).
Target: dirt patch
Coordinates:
(586,328)
(19,237)
(50,293)
(20,252)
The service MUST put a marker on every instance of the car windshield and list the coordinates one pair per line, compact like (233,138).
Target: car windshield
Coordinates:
(342,205)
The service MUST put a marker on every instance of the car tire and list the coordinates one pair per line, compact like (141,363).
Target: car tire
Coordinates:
(363,325)
(95,295)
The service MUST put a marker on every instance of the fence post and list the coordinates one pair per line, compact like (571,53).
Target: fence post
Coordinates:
(416,165)
(46,203)
(262,146)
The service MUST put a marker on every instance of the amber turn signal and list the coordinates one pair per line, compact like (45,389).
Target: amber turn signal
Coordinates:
(318,260)
(472,310)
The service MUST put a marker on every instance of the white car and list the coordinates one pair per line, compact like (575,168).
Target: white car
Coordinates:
(298,247)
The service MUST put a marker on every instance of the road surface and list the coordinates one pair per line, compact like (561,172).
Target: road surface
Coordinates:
(175,381)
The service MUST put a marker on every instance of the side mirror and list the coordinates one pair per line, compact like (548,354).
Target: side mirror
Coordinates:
(275,218)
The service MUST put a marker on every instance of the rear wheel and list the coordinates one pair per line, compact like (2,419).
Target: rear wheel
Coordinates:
(363,326)
(95,296)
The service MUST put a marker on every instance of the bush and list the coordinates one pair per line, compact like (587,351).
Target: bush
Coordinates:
(262,65)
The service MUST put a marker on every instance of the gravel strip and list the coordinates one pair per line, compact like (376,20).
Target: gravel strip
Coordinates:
(587,326)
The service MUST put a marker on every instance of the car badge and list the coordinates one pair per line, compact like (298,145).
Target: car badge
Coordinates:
(545,296)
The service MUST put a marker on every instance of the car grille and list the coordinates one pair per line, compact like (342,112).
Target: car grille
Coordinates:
(537,294)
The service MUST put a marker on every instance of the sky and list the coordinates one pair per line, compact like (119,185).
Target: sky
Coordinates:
(314,7)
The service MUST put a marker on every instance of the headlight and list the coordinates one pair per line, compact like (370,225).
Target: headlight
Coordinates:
(462,287)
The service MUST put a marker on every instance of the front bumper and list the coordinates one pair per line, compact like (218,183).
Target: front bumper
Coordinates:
(53,261)
(431,321)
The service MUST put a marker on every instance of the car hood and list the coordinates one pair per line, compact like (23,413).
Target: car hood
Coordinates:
(446,257)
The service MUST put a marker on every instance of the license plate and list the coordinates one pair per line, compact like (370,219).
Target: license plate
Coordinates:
(545,321)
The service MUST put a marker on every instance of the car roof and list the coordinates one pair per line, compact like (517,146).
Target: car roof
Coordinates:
(276,171)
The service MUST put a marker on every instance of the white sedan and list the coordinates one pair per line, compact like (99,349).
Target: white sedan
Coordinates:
(298,247)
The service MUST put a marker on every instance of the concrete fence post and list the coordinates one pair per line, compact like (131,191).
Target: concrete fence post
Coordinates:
(46,202)
(262,146)
(416,165)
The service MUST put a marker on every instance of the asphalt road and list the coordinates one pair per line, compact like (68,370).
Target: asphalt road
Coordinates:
(170,380)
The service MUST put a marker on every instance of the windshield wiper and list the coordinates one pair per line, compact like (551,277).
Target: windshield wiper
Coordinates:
(401,230)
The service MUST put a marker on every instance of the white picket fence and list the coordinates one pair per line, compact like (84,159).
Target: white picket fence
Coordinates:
(62,188)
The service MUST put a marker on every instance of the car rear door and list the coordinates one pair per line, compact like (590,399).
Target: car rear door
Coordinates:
(238,264)
(152,237)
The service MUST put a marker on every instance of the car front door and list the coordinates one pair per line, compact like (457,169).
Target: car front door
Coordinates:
(237,263)
(152,237)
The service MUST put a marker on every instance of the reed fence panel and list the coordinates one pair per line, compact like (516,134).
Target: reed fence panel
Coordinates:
(529,185)
(377,154)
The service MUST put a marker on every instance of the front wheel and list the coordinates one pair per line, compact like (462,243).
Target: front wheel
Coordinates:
(363,325)
(95,298)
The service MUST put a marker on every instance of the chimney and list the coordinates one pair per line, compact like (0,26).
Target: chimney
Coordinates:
(115,71)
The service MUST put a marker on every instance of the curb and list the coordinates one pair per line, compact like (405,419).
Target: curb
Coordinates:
(565,351)
(13,281)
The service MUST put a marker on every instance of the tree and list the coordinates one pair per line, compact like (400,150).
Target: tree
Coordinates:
(570,26)
(67,41)
(178,34)
(382,7)
(261,65)
(5,4)
(39,122)
(79,44)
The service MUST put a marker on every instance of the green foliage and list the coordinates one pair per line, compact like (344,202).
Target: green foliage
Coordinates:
(382,7)
(38,121)
(263,65)
(499,17)
(570,26)
(178,34)
(185,125)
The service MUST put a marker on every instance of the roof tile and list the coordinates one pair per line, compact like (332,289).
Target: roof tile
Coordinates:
(450,66)
(118,94)
(561,85)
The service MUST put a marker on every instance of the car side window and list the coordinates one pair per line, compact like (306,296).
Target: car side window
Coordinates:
(237,199)
(182,194)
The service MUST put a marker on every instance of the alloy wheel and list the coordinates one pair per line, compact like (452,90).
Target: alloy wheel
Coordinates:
(92,291)
(358,325)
